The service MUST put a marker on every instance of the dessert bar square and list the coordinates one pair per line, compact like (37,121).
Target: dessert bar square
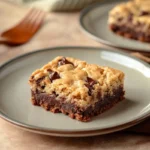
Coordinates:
(131,20)
(76,88)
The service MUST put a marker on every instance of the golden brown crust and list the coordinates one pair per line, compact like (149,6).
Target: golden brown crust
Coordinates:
(71,80)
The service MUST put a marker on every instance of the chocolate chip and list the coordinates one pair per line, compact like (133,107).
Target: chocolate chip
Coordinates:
(114,28)
(54,93)
(120,19)
(90,88)
(64,61)
(49,70)
(144,13)
(39,80)
(53,76)
(43,87)
(90,83)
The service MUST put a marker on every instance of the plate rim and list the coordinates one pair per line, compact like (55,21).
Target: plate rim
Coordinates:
(72,133)
(85,11)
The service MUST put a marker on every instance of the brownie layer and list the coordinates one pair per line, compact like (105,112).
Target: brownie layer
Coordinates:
(52,103)
(130,33)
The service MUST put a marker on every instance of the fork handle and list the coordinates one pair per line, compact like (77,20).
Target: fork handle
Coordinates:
(5,41)
(2,41)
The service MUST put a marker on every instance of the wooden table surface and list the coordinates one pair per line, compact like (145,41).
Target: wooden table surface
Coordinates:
(60,29)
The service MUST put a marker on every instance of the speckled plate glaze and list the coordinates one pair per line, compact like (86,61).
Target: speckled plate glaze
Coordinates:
(16,107)
(93,21)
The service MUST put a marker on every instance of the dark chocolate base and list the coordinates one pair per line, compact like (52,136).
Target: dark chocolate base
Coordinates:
(130,33)
(50,103)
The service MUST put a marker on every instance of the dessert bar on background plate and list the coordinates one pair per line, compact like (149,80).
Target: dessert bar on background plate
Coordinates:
(75,88)
(94,23)
(16,107)
(131,19)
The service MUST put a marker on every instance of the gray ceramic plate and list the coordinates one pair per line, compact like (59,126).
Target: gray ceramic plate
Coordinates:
(15,105)
(93,21)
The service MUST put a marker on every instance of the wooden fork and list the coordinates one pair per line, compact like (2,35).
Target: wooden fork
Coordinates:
(23,31)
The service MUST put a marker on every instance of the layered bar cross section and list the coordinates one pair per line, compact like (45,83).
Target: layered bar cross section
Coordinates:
(76,88)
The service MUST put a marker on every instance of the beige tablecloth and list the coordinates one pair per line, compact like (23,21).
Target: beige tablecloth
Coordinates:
(56,33)
(12,138)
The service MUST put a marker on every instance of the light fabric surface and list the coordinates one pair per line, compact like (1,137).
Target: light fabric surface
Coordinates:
(55,32)
(12,138)
(56,5)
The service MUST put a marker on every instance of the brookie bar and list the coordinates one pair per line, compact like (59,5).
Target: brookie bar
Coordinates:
(131,20)
(75,88)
